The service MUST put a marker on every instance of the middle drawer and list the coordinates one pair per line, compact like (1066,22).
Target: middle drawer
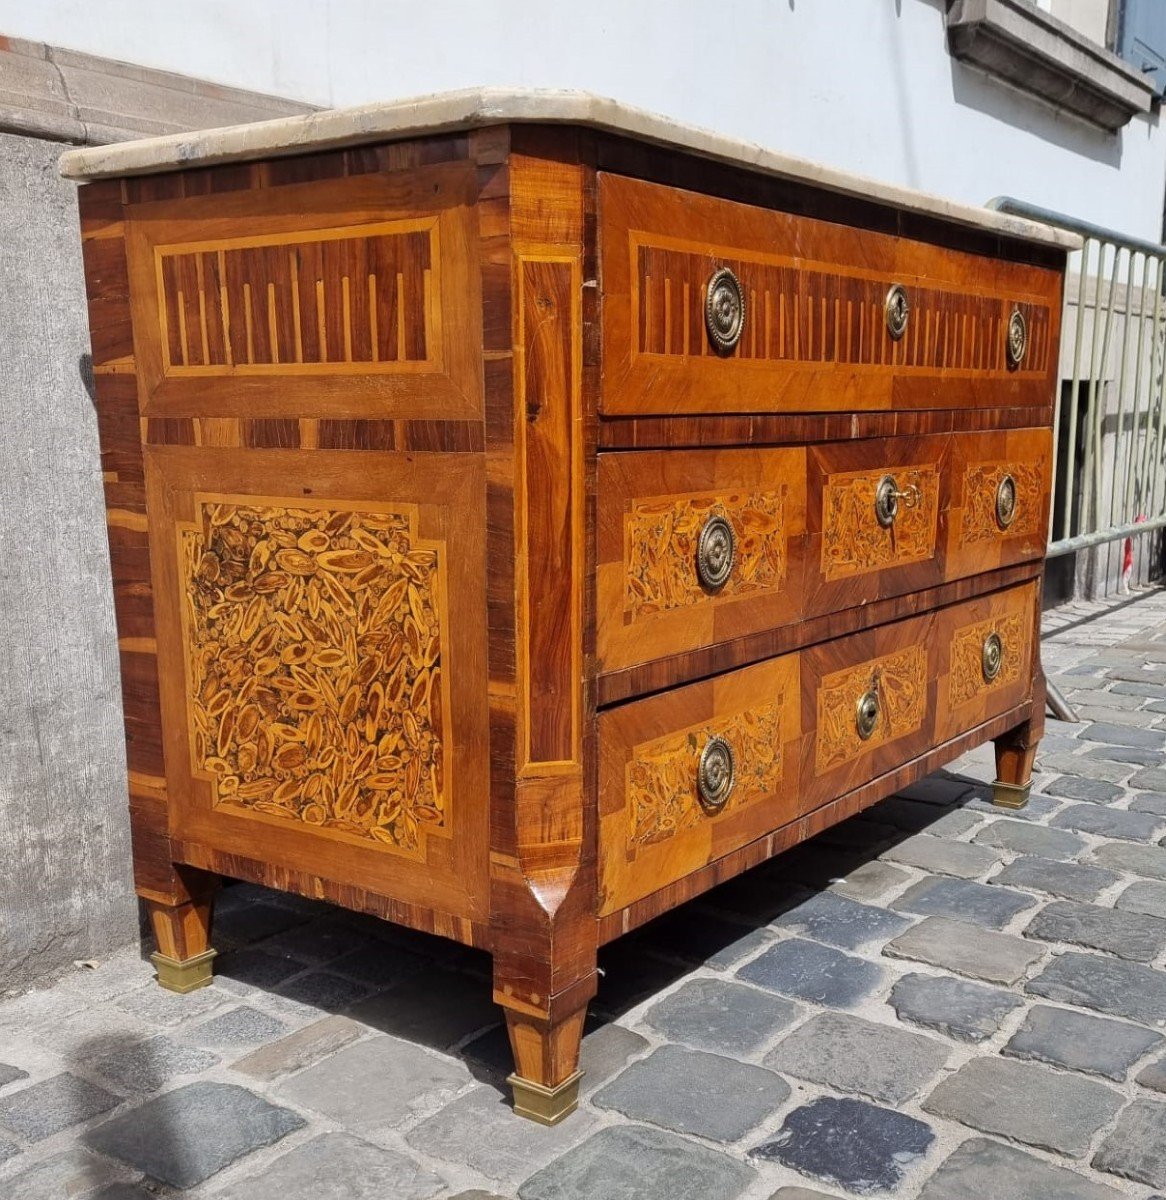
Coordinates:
(697,548)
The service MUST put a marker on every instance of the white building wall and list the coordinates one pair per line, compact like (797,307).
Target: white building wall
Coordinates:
(865,85)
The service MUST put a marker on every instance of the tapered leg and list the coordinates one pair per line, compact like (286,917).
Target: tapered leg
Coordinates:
(546,1065)
(182,929)
(1015,755)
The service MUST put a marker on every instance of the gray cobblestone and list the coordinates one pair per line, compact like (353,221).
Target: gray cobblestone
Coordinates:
(1108,985)
(480,1130)
(1074,787)
(1027,838)
(1127,934)
(220,1123)
(862,1147)
(717,1015)
(1152,779)
(1079,1042)
(985,1170)
(1136,1149)
(841,921)
(1145,896)
(300,1049)
(1108,822)
(691,1091)
(145,1065)
(10,1074)
(957,898)
(849,1054)
(997,1096)
(376,1083)
(966,949)
(943,857)
(870,880)
(970,1012)
(42,1109)
(632,1162)
(1150,802)
(1124,735)
(339,1165)
(808,971)
(1072,881)
(1147,861)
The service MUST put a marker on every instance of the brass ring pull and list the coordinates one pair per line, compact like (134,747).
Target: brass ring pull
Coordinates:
(897,309)
(1017,337)
(866,714)
(716,550)
(1005,501)
(887,497)
(992,657)
(724,310)
(716,773)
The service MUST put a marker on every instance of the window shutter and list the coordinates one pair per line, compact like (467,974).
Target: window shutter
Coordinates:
(1143,38)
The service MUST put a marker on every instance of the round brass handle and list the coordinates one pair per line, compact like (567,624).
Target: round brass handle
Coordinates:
(897,309)
(715,551)
(716,773)
(1005,501)
(1017,337)
(724,310)
(887,497)
(992,658)
(866,715)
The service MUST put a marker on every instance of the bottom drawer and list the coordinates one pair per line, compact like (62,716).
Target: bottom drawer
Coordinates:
(658,818)
(784,737)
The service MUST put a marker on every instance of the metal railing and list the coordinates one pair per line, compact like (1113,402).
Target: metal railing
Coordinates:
(1109,480)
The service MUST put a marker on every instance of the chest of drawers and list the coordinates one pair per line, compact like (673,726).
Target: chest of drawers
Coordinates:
(526,513)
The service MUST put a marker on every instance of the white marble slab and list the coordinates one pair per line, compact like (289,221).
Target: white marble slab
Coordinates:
(448,112)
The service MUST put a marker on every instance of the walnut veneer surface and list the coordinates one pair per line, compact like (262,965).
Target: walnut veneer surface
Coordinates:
(411,451)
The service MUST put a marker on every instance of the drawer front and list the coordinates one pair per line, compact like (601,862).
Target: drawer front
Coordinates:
(696,547)
(813,328)
(875,514)
(655,826)
(869,700)
(985,666)
(1000,491)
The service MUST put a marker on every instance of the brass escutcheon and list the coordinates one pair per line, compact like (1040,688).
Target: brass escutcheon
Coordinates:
(992,657)
(716,550)
(1005,501)
(887,497)
(866,714)
(897,310)
(724,309)
(1017,337)
(716,773)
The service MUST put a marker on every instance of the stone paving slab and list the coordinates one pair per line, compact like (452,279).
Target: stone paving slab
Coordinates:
(935,1000)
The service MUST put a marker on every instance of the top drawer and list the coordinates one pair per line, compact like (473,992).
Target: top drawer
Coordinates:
(813,327)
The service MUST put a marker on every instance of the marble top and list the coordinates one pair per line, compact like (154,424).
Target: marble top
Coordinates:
(449,112)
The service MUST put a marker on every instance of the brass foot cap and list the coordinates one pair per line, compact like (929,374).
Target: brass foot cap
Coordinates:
(185,975)
(1010,795)
(547,1106)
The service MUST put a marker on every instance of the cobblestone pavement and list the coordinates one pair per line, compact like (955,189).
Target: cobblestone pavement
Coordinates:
(936,999)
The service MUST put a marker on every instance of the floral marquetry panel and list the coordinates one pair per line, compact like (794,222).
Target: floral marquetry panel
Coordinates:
(661,779)
(966,678)
(853,541)
(314,661)
(981,482)
(662,536)
(899,683)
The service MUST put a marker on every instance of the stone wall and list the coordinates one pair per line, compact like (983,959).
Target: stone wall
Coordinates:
(65,886)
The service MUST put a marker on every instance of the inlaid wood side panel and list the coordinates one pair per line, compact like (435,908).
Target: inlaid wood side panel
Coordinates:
(654,826)
(266,306)
(977,538)
(353,297)
(965,695)
(322,658)
(652,509)
(893,665)
(314,646)
(815,335)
